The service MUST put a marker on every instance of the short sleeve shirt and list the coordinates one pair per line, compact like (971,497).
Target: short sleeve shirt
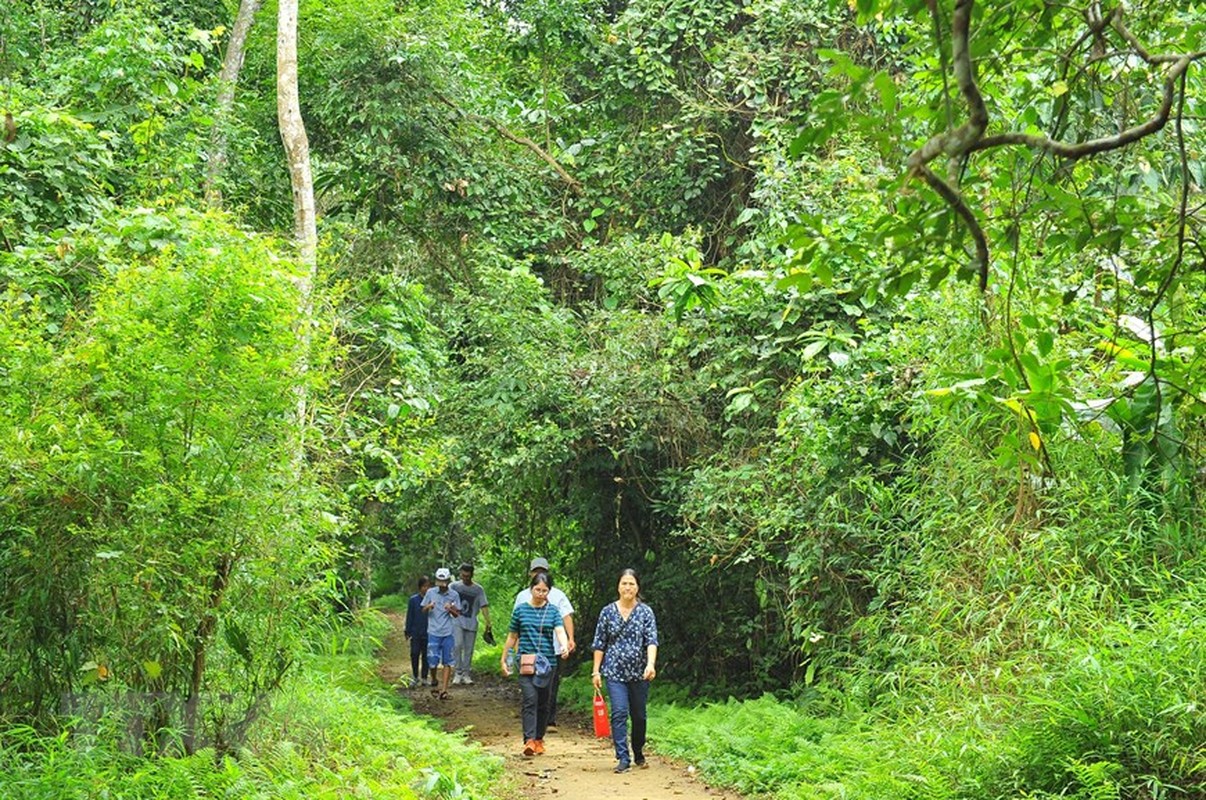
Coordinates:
(625,644)
(556,598)
(439,621)
(536,627)
(473,600)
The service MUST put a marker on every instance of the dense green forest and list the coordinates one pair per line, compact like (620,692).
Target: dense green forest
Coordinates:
(865,330)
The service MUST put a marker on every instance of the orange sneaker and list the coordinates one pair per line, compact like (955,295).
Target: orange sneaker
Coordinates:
(529,747)
(539,744)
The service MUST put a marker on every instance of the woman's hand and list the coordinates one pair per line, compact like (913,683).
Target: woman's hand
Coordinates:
(597,680)
(506,668)
(650,672)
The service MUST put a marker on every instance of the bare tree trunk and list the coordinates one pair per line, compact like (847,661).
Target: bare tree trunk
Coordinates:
(201,638)
(297,151)
(232,65)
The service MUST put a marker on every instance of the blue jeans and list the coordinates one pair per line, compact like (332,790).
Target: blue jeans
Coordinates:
(439,652)
(628,698)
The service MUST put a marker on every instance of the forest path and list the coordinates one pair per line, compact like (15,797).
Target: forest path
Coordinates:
(577,766)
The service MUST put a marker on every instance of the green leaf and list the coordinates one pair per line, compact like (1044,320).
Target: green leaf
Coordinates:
(238,640)
(1045,341)
(814,348)
(801,281)
(887,92)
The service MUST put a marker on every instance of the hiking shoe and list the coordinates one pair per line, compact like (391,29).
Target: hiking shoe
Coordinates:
(622,767)
(529,747)
(538,744)
(640,763)
(467,681)
(456,680)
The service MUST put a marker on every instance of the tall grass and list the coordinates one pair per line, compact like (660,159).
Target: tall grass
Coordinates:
(332,733)
(1113,711)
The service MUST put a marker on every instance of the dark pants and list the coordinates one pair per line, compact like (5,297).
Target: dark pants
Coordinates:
(628,698)
(418,657)
(534,707)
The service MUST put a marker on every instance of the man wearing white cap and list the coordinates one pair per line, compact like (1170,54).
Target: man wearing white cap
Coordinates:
(559,601)
(441,605)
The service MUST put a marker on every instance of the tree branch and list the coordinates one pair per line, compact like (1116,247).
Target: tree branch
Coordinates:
(961,140)
(956,201)
(1105,143)
(968,138)
(506,133)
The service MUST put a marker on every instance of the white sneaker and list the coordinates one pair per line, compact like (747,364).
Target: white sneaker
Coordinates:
(467,681)
(456,680)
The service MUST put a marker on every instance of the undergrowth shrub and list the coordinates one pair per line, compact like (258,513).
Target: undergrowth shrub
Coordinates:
(767,746)
(333,732)
(1124,712)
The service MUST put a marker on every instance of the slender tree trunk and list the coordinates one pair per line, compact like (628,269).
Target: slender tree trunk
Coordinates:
(201,638)
(232,65)
(297,151)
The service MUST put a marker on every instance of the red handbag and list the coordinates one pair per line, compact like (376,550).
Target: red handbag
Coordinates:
(602,726)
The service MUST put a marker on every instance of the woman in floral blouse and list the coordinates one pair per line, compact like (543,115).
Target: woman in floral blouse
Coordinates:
(625,648)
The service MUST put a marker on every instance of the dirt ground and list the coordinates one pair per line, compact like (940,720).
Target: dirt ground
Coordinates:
(575,766)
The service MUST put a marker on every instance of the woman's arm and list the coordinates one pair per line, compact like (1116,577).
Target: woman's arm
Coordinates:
(651,662)
(596,677)
(512,641)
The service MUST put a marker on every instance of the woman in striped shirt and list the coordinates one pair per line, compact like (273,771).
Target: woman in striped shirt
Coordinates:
(534,626)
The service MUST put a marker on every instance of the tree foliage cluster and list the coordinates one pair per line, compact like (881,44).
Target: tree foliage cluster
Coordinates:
(867,331)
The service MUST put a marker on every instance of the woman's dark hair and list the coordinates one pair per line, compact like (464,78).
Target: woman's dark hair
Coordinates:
(423,581)
(541,577)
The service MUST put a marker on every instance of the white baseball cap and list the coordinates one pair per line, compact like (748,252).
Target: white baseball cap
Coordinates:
(442,574)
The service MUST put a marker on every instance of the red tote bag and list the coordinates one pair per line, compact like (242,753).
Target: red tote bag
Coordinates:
(602,725)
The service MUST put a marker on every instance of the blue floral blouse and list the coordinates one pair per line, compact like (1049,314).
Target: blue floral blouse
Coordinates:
(625,644)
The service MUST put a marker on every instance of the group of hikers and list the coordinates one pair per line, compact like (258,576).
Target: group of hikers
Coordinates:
(442,624)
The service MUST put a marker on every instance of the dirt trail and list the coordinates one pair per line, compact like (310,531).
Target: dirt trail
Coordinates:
(576,766)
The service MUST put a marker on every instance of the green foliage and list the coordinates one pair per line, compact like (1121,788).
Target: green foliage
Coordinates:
(942,529)
(763,746)
(140,76)
(115,118)
(1116,715)
(57,172)
(332,732)
(1122,715)
(150,523)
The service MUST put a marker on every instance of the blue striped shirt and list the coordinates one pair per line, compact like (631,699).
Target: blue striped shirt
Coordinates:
(535,628)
